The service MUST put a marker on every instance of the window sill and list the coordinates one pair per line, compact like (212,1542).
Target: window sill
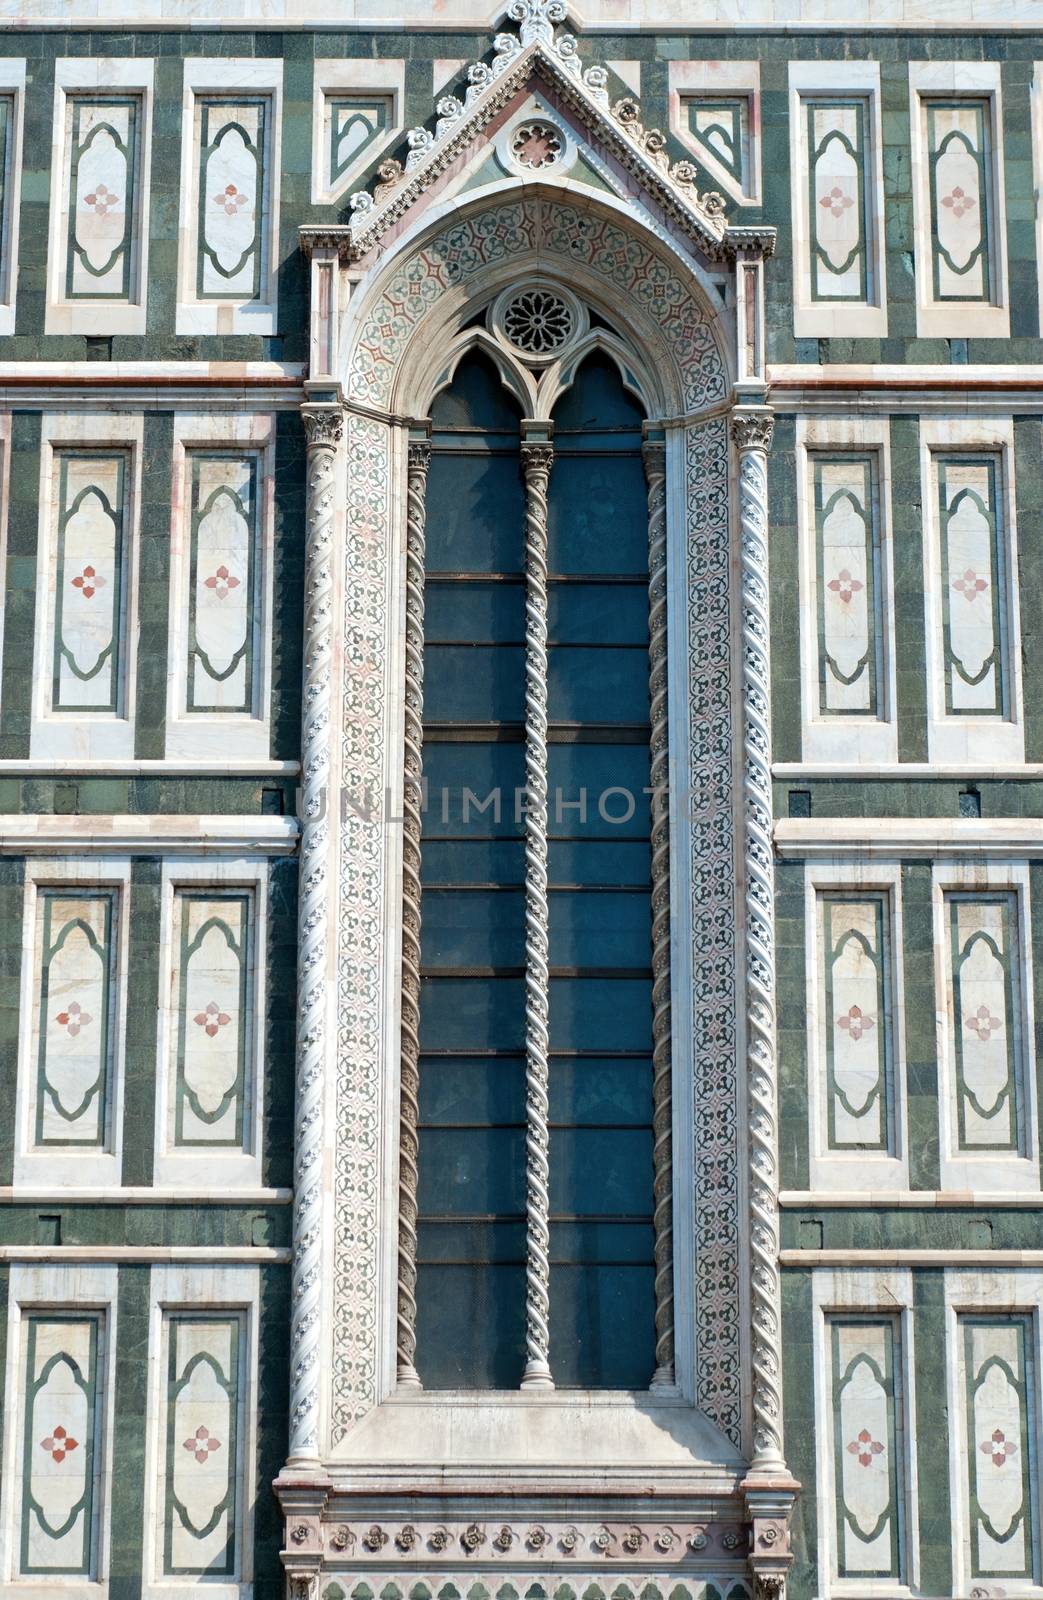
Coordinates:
(618,1440)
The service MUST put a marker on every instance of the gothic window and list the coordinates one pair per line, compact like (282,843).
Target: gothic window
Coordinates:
(475,1131)
(211,994)
(232,197)
(958,200)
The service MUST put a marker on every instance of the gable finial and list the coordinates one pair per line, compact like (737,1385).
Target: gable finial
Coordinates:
(536,19)
(538,36)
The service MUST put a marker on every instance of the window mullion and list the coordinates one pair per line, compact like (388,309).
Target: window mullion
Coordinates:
(536,460)
(654,456)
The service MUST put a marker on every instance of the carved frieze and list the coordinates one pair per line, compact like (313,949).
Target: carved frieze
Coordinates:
(542,1543)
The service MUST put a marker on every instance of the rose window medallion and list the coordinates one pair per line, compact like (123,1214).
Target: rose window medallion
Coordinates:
(537,145)
(538,322)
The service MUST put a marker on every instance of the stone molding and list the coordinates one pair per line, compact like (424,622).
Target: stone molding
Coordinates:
(323,427)
(28,833)
(922,838)
(751,429)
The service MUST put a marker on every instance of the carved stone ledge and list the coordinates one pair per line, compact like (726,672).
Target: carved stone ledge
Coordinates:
(539,1542)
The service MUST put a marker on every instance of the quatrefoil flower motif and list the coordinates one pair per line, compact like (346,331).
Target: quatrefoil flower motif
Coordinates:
(999,1447)
(844,586)
(865,1447)
(855,1022)
(231,200)
(836,202)
(73,1018)
(958,202)
(211,1019)
(983,1023)
(59,1444)
(102,201)
(970,585)
(202,1444)
(221,582)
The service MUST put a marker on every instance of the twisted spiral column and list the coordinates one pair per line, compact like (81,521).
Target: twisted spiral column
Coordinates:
(654,457)
(751,433)
(416,518)
(323,427)
(536,462)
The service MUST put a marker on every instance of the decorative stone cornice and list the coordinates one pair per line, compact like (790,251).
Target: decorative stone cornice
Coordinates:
(329,237)
(541,52)
(750,240)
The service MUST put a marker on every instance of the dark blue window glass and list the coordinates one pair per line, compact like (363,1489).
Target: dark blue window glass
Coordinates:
(471,1230)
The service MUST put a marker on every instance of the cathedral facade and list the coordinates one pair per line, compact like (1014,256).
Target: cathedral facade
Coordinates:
(517,1003)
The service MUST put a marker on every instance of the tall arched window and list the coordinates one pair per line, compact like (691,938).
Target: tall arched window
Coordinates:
(473,1121)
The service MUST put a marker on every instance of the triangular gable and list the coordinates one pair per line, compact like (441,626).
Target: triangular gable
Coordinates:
(540,58)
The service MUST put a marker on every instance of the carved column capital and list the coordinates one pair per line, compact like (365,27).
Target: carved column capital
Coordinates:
(537,458)
(323,426)
(752,427)
(419,455)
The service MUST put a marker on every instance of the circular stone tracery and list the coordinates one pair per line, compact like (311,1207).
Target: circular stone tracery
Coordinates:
(538,322)
(537,144)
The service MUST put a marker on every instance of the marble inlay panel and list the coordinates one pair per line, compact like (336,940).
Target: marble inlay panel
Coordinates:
(866,1457)
(75,950)
(60,1446)
(90,561)
(213,955)
(223,583)
(102,165)
(203,1446)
